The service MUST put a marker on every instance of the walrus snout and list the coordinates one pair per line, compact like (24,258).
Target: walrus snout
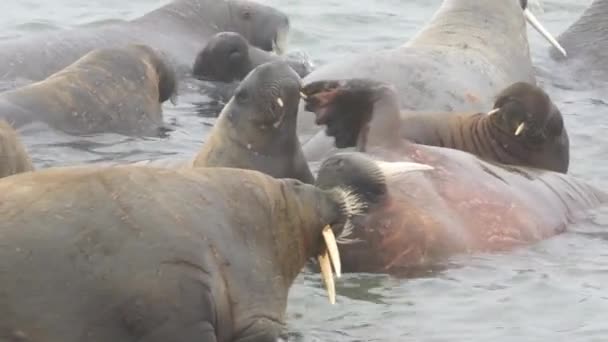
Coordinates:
(343,106)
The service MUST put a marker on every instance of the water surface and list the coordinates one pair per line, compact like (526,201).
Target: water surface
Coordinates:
(552,291)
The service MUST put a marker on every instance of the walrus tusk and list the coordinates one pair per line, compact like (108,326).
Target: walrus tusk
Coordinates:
(539,27)
(327,275)
(280,102)
(519,129)
(494,111)
(303,95)
(402,167)
(332,249)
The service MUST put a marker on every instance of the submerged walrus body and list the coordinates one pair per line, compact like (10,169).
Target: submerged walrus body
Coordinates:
(117,90)
(462,205)
(13,155)
(145,254)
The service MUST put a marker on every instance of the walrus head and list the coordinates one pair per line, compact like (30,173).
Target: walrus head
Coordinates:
(265,106)
(229,57)
(225,58)
(366,179)
(167,79)
(263,26)
(525,111)
(346,107)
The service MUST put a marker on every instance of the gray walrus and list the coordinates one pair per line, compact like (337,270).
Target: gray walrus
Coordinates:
(257,127)
(459,204)
(118,90)
(525,128)
(586,41)
(228,57)
(179,29)
(468,52)
(13,155)
(148,254)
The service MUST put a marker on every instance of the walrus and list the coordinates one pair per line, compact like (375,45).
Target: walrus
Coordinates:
(459,204)
(179,29)
(13,155)
(228,57)
(133,253)
(468,52)
(587,43)
(524,128)
(257,127)
(118,90)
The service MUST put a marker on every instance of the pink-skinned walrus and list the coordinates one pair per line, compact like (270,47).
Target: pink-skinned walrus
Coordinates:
(458,204)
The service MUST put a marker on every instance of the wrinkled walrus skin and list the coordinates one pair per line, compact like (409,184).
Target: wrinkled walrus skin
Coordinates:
(463,205)
(118,90)
(179,29)
(13,155)
(145,254)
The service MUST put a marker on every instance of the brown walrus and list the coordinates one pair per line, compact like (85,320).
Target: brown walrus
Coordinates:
(13,156)
(525,128)
(462,205)
(149,254)
(117,90)
(257,127)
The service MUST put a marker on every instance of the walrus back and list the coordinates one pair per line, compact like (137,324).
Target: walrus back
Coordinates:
(107,90)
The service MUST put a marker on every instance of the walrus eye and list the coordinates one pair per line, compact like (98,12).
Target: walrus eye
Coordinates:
(242,96)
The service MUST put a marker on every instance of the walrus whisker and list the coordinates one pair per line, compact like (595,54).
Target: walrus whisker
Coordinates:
(352,206)
(520,128)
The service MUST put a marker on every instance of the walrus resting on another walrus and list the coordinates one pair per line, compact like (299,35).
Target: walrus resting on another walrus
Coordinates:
(148,254)
(117,90)
(462,205)
(13,156)
(525,128)
(257,127)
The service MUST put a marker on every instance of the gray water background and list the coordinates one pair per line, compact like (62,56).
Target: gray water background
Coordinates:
(556,290)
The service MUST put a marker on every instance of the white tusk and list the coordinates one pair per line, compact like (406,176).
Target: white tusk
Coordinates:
(539,27)
(494,111)
(519,129)
(303,95)
(280,102)
(402,167)
(332,248)
(328,276)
